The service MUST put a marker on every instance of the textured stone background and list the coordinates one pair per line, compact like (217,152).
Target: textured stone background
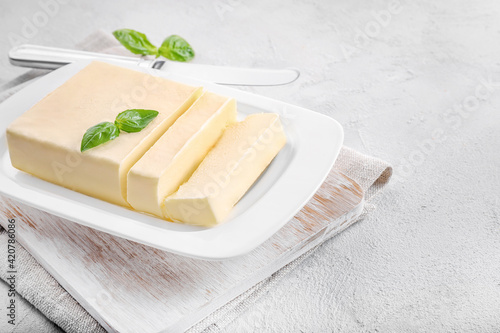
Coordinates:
(419,87)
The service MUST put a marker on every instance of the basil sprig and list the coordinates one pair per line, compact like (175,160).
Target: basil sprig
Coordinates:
(135,41)
(134,120)
(98,134)
(173,47)
(130,121)
(176,48)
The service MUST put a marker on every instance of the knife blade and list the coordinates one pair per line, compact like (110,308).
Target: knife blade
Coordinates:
(35,56)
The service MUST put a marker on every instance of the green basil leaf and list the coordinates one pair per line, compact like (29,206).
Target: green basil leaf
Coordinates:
(176,48)
(135,41)
(134,120)
(99,134)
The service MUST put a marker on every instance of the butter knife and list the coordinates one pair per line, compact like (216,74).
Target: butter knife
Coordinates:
(35,56)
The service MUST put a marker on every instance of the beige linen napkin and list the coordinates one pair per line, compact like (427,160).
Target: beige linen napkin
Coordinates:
(39,288)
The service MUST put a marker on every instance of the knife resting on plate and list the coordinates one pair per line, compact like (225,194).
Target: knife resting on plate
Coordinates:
(35,56)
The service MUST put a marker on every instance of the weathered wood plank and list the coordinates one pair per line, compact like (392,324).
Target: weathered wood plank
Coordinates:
(130,287)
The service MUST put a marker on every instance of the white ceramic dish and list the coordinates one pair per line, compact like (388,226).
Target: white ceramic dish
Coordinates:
(314,142)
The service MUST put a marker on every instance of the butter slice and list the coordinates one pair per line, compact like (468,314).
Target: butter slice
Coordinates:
(45,140)
(229,170)
(175,156)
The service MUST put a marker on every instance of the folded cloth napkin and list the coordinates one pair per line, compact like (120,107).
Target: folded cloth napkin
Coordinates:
(39,288)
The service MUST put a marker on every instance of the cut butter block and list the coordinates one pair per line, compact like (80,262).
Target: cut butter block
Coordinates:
(229,170)
(175,156)
(45,141)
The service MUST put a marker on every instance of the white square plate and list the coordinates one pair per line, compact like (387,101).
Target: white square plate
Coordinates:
(292,178)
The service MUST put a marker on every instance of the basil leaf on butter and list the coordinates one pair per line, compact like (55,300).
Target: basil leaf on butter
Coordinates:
(99,134)
(134,120)
(176,48)
(135,41)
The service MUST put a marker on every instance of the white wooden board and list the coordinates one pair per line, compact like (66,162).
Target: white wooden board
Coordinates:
(130,287)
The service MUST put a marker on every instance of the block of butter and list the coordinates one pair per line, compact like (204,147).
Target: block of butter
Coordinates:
(175,156)
(229,170)
(45,140)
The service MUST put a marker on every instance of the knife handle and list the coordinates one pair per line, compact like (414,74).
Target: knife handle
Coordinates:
(35,56)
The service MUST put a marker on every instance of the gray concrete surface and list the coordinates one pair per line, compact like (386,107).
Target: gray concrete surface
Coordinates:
(415,83)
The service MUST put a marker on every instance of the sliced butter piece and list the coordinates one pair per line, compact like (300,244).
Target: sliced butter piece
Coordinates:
(229,170)
(175,156)
(45,140)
